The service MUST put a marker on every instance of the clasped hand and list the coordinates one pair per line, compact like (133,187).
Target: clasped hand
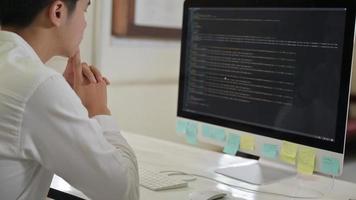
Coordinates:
(89,84)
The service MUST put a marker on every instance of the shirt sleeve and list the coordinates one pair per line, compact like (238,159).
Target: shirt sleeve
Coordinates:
(89,153)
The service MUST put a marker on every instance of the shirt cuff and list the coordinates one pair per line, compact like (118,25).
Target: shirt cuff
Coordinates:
(107,122)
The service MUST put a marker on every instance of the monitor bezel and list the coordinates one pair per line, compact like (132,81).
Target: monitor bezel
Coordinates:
(339,144)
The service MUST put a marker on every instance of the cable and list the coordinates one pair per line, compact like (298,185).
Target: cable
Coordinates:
(175,173)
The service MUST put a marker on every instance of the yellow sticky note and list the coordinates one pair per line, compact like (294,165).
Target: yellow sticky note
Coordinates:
(289,152)
(287,159)
(306,160)
(247,143)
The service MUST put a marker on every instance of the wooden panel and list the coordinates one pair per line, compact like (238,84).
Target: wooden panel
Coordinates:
(123,23)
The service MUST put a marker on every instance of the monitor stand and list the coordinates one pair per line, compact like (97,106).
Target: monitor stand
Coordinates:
(258,172)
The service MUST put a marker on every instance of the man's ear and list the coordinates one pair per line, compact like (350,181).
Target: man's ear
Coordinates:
(57,13)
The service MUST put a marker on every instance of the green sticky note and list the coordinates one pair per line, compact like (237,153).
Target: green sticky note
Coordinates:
(181,126)
(306,161)
(232,144)
(192,132)
(214,133)
(288,152)
(247,142)
(219,134)
(270,151)
(330,166)
(206,131)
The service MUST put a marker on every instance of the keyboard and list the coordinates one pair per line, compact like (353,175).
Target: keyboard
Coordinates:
(156,181)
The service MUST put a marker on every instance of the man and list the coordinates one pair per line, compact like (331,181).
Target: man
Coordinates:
(50,124)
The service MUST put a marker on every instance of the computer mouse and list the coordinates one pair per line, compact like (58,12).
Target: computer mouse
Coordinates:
(207,195)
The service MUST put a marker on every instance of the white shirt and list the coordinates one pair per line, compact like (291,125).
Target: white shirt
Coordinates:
(45,129)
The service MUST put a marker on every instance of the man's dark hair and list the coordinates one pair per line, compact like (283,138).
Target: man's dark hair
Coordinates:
(21,13)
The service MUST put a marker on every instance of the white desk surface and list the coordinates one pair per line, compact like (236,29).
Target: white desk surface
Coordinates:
(160,154)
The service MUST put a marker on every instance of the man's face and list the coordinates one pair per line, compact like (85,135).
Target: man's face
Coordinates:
(73,29)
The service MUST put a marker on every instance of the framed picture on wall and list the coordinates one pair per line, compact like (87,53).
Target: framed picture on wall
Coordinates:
(161,19)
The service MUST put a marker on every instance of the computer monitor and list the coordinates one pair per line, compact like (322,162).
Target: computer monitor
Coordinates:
(276,71)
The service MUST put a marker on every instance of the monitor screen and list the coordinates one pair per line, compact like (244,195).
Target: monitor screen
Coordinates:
(279,69)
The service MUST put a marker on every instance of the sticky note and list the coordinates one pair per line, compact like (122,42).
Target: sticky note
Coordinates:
(181,126)
(288,152)
(191,132)
(232,144)
(270,150)
(206,131)
(247,142)
(214,133)
(330,166)
(306,161)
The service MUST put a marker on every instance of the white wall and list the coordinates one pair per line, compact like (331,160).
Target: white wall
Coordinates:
(133,60)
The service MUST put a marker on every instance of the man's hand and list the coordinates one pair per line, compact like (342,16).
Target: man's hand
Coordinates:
(91,73)
(91,92)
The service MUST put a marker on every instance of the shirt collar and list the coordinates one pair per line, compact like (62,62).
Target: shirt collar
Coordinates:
(18,40)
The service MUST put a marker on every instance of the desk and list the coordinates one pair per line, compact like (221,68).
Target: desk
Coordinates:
(167,155)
